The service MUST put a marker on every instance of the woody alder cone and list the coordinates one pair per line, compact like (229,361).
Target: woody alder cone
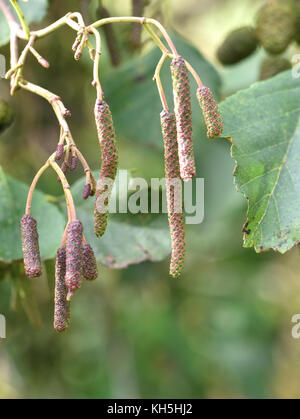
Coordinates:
(30,246)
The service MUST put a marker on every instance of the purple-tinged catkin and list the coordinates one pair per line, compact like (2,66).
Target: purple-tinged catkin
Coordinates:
(86,191)
(61,305)
(74,162)
(59,151)
(172,171)
(89,264)
(74,255)
(109,163)
(183,114)
(30,246)
(210,111)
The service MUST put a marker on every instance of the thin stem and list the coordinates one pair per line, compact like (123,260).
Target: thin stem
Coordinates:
(156,39)
(33,185)
(21,18)
(96,80)
(85,167)
(66,188)
(158,81)
(193,73)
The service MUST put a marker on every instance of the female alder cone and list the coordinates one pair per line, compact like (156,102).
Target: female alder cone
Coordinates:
(275,27)
(238,45)
(272,66)
(30,246)
(73,255)
(210,111)
(61,305)
(183,113)
(109,164)
(172,171)
(89,264)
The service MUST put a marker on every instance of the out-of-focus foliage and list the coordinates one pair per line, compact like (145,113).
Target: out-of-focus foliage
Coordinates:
(223,329)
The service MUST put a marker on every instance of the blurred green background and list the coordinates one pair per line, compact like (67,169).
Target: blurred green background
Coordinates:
(224,328)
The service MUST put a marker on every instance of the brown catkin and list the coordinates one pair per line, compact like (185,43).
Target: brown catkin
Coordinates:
(172,171)
(30,246)
(109,164)
(74,162)
(89,264)
(61,305)
(183,114)
(73,255)
(210,111)
(59,151)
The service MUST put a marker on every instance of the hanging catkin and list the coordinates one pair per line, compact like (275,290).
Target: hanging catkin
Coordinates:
(172,171)
(210,111)
(109,164)
(73,255)
(61,305)
(183,113)
(30,246)
(89,264)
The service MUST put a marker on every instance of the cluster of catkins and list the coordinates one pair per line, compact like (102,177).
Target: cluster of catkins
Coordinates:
(277,26)
(75,260)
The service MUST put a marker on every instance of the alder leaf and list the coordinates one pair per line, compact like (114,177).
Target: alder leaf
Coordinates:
(34,11)
(264,124)
(129,239)
(50,220)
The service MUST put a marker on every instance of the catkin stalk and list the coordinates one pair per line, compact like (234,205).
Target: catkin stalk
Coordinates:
(210,111)
(109,164)
(73,255)
(172,171)
(183,114)
(30,246)
(61,305)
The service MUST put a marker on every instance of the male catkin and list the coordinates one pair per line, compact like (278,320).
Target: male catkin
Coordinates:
(109,164)
(30,246)
(210,111)
(183,113)
(172,171)
(61,305)
(89,264)
(74,255)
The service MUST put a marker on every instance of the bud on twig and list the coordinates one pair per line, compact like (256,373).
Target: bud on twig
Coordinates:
(74,161)
(183,113)
(210,111)
(59,151)
(73,255)
(86,191)
(89,264)
(172,171)
(30,246)
(109,152)
(61,305)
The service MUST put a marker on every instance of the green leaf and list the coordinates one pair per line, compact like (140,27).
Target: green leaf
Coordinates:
(128,239)
(50,220)
(34,11)
(134,99)
(264,123)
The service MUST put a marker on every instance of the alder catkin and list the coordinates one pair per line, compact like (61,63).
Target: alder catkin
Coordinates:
(74,255)
(61,305)
(74,162)
(86,191)
(210,111)
(183,113)
(89,264)
(59,151)
(30,246)
(172,171)
(109,163)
